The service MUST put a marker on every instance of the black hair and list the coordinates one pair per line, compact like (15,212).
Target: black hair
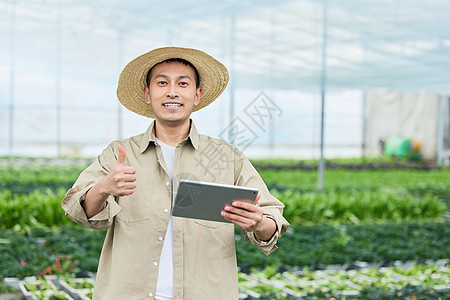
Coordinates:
(179,60)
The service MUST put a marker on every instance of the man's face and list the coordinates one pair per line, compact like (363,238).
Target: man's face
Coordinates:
(172,93)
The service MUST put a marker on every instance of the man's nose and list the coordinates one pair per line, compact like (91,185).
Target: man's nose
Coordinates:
(172,92)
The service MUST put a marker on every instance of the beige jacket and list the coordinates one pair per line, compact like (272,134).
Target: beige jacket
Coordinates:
(204,254)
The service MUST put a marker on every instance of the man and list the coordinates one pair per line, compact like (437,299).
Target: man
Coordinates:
(148,253)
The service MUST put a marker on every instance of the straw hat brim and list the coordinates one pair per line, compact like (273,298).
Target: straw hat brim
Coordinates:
(130,91)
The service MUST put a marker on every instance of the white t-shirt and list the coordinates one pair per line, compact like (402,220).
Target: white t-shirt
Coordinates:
(164,287)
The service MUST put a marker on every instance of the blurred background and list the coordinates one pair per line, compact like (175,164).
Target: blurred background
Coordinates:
(359,87)
(377,71)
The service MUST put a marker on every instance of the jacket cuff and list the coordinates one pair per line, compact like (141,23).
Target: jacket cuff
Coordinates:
(102,219)
(266,247)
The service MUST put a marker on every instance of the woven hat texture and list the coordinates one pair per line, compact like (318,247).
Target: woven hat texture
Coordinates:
(130,91)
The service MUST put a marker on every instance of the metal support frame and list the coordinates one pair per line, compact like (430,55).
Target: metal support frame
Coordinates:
(364,124)
(12,77)
(272,125)
(323,85)
(58,81)
(120,44)
(232,74)
(440,155)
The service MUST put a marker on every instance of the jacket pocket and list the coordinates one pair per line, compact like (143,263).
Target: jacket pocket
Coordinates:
(211,224)
(135,207)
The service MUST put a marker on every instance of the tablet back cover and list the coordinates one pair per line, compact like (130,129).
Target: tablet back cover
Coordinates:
(205,201)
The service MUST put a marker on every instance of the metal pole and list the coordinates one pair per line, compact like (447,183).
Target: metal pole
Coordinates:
(364,122)
(272,75)
(364,112)
(58,82)
(223,53)
(232,77)
(323,88)
(119,106)
(11,78)
(440,130)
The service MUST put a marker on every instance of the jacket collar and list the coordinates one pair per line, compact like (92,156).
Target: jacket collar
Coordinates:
(150,138)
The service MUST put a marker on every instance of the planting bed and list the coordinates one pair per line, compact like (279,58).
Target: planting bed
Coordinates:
(78,288)
(42,289)
(36,252)
(396,282)
(351,283)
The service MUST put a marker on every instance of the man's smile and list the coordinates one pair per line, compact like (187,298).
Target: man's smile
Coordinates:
(172,104)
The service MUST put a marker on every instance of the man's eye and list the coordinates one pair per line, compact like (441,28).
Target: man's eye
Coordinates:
(161,82)
(183,83)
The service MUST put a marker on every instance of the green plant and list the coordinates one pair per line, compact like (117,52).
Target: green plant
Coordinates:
(373,283)
(33,210)
(407,292)
(22,256)
(80,283)
(40,284)
(362,180)
(23,178)
(320,245)
(6,289)
(387,205)
(50,295)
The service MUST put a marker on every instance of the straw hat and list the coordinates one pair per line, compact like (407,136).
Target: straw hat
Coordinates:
(130,91)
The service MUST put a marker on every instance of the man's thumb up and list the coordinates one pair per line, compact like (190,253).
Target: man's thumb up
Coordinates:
(121,179)
(122,155)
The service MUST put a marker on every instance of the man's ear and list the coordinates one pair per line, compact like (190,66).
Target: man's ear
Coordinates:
(198,94)
(147,95)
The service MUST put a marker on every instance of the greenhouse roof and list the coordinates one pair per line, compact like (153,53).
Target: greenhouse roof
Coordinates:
(394,44)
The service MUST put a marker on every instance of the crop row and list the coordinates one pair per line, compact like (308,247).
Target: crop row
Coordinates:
(34,210)
(43,208)
(355,163)
(315,247)
(52,287)
(39,173)
(350,196)
(342,179)
(50,175)
(321,245)
(359,206)
(352,283)
(414,282)
(40,251)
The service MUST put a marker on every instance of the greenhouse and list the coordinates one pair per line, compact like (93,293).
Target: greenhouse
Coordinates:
(342,107)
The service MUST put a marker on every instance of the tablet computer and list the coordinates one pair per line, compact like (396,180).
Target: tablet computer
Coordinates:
(205,200)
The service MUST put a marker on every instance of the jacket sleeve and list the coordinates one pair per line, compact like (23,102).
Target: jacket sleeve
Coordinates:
(87,179)
(246,175)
